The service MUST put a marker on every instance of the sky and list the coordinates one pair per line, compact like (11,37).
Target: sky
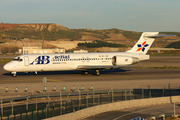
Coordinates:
(130,15)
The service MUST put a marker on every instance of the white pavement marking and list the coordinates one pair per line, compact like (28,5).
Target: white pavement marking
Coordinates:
(135,112)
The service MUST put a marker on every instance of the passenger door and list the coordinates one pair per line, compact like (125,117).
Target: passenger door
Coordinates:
(26,60)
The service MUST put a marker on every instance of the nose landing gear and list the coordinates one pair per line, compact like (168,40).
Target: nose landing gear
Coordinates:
(13,74)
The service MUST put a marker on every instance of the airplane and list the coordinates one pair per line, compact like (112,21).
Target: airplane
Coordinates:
(83,61)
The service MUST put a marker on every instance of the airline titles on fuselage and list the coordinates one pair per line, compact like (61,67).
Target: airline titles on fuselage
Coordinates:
(61,59)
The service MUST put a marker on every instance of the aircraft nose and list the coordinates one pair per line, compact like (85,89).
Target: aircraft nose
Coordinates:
(7,67)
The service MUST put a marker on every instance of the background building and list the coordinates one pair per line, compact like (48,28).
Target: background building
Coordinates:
(80,51)
(39,50)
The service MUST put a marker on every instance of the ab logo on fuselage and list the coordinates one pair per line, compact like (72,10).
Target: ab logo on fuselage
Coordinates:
(41,60)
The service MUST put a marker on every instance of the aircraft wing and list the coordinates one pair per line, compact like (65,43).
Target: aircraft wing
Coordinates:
(88,67)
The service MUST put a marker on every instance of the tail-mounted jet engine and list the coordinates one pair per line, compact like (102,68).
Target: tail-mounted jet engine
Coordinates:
(124,60)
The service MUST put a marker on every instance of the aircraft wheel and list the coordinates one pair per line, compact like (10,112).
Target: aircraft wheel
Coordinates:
(85,72)
(97,72)
(13,75)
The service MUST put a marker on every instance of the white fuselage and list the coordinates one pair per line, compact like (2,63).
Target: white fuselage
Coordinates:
(65,62)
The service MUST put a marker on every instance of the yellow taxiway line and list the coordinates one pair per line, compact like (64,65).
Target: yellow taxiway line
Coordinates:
(55,80)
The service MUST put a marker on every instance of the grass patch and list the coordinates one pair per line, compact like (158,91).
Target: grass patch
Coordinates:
(164,54)
(5,60)
(97,43)
(165,67)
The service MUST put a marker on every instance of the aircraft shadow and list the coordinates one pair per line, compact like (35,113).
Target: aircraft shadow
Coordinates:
(68,72)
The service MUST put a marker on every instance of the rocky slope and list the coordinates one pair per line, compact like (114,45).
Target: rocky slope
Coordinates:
(37,27)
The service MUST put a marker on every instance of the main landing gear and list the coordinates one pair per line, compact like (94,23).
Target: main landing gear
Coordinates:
(85,72)
(13,74)
(96,72)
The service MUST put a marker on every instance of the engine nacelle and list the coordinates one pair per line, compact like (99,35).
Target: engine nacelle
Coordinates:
(124,60)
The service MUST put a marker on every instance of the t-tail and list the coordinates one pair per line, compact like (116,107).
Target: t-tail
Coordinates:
(145,42)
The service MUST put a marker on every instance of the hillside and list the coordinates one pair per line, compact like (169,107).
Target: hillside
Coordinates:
(37,31)
(174,45)
(63,37)
(54,32)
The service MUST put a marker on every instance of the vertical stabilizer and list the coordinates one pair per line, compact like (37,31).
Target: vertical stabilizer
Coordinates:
(144,43)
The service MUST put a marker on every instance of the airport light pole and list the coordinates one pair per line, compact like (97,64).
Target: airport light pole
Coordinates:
(1,109)
(174,109)
(12,105)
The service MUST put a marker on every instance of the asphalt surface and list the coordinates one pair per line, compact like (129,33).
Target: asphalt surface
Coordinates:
(118,74)
(143,112)
(76,76)
(126,78)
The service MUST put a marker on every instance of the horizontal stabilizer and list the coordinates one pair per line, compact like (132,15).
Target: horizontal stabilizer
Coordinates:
(159,36)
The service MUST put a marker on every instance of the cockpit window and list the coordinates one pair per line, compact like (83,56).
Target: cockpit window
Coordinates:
(18,59)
